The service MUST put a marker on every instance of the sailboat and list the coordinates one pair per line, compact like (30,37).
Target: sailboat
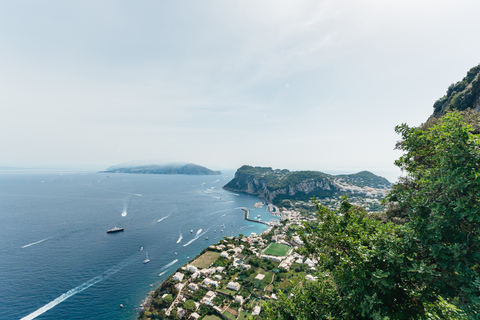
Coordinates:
(146,259)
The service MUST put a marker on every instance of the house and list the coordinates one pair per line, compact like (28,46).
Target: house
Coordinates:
(309,277)
(178,276)
(224,254)
(180,313)
(239,299)
(309,262)
(220,269)
(191,268)
(210,282)
(233,286)
(179,286)
(194,316)
(193,286)
(208,298)
(256,311)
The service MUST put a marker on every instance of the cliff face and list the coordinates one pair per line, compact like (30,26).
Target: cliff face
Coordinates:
(461,96)
(302,185)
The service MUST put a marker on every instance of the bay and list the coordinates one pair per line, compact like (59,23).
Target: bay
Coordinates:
(58,262)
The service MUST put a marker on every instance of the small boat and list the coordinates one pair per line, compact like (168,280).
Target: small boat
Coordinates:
(141,249)
(146,259)
(116,229)
(206,238)
(121,305)
(191,231)
(175,253)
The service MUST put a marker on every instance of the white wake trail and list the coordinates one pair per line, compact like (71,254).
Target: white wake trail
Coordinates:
(74,291)
(198,235)
(161,219)
(169,265)
(180,238)
(34,243)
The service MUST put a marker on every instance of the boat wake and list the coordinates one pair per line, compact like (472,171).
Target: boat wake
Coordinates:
(161,219)
(180,238)
(84,286)
(34,243)
(138,194)
(198,235)
(162,273)
(168,265)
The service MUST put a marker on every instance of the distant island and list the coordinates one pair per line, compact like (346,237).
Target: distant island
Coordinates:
(282,186)
(171,168)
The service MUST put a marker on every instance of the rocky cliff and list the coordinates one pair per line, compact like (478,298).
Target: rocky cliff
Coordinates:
(275,185)
(461,96)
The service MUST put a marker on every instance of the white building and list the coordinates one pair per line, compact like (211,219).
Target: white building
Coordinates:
(194,316)
(210,282)
(239,299)
(193,286)
(191,268)
(180,313)
(256,311)
(178,276)
(234,286)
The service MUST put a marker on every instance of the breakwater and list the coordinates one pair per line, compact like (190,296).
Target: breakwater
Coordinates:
(247,217)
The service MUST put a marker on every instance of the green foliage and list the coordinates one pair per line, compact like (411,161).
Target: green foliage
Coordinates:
(189,305)
(441,194)
(366,270)
(460,96)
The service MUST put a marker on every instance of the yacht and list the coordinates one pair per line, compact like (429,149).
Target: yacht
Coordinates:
(116,229)
(141,249)
(146,259)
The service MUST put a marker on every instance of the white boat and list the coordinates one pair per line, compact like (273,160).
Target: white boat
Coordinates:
(146,259)
(175,253)
(191,231)
(141,249)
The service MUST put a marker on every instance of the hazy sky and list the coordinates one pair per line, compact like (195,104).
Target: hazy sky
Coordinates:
(314,85)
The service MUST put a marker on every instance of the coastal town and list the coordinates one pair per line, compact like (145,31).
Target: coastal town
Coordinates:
(234,278)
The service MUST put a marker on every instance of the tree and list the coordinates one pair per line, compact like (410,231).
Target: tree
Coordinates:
(190,305)
(441,194)
(366,270)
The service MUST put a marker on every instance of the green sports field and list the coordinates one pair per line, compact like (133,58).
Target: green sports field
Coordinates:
(276,249)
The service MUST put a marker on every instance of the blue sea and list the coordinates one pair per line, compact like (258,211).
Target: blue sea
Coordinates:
(58,262)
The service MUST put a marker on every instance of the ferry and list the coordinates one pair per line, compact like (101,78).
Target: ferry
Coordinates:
(116,229)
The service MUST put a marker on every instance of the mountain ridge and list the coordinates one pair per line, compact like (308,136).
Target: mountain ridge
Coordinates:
(172,168)
(276,185)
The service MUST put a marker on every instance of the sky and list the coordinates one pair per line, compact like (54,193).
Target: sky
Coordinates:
(298,85)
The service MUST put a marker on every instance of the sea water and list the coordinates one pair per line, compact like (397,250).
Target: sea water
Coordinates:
(58,262)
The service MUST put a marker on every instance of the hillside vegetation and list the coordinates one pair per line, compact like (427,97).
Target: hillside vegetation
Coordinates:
(461,96)
(276,185)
